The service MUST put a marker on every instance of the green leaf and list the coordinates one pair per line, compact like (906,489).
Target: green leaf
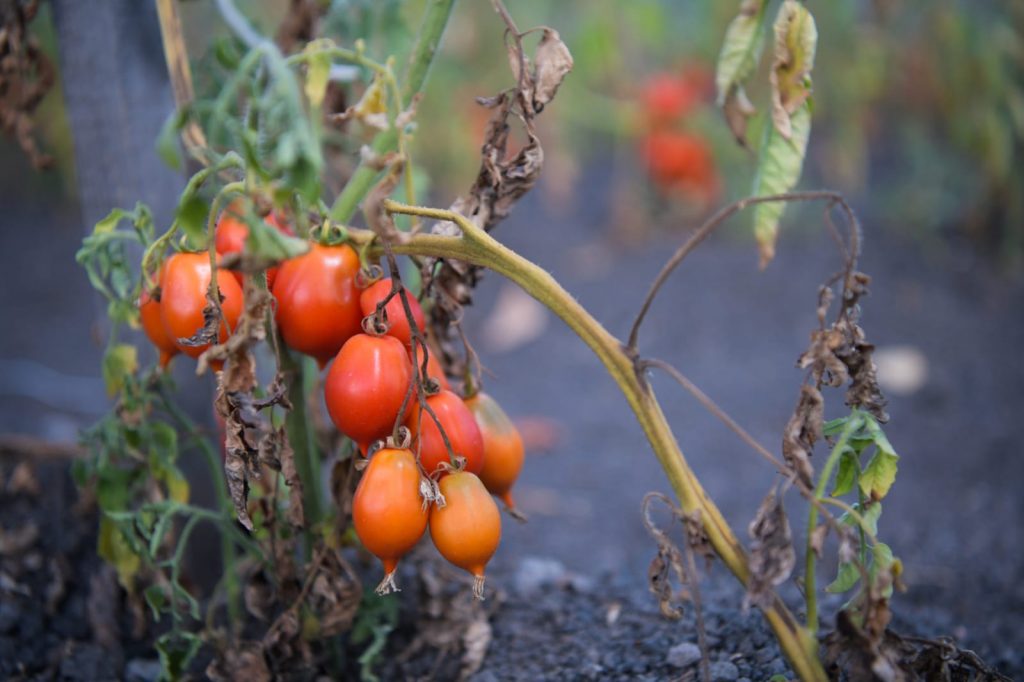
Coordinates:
(847,474)
(156,597)
(110,222)
(835,426)
(168,145)
(176,650)
(845,580)
(796,40)
(779,166)
(879,474)
(119,362)
(878,436)
(870,516)
(741,48)
(192,215)
(159,530)
(164,442)
(186,596)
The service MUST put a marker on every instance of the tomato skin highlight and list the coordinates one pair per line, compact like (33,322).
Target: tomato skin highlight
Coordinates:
(467,530)
(387,510)
(153,325)
(398,323)
(183,297)
(503,447)
(232,232)
(318,302)
(458,424)
(366,386)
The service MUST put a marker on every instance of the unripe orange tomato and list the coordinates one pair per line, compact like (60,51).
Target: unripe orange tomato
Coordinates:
(232,232)
(434,369)
(366,386)
(458,424)
(183,297)
(398,323)
(317,300)
(503,447)
(149,312)
(467,529)
(387,510)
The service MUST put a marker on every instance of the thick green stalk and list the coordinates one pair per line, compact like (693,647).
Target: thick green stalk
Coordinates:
(303,439)
(422,56)
(810,580)
(479,248)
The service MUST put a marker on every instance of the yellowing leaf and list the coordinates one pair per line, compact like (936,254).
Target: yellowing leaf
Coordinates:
(879,474)
(779,167)
(318,71)
(114,549)
(120,361)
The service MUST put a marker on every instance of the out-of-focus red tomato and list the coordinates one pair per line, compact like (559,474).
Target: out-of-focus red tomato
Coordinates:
(681,162)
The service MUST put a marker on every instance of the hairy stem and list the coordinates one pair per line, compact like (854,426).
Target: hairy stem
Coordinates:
(478,248)
(434,20)
(810,580)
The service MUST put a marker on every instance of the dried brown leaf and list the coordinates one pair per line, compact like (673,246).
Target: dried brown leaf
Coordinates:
(240,661)
(23,480)
(553,63)
(19,539)
(738,110)
(772,556)
(335,594)
(475,641)
(802,431)
(818,536)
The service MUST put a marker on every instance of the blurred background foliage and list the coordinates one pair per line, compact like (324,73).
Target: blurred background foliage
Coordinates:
(918,106)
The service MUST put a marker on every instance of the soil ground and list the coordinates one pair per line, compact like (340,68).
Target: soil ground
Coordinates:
(954,516)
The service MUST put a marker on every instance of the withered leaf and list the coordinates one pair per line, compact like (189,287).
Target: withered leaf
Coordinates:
(818,536)
(259,595)
(19,539)
(553,63)
(240,661)
(802,431)
(335,595)
(475,641)
(772,556)
(208,333)
(738,110)
(796,39)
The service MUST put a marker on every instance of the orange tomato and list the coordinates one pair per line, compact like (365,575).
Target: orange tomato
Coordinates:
(232,232)
(366,386)
(679,161)
(503,447)
(458,424)
(318,302)
(467,529)
(398,323)
(183,298)
(434,369)
(152,324)
(387,510)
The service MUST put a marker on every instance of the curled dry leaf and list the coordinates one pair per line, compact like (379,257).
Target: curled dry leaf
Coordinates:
(802,431)
(818,536)
(377,218)
(772,556)
(19,539)
(666,563)
(796,39)
(738,111)
(209,332)
(26,75)
(553,63)
(475,641)
(335,594)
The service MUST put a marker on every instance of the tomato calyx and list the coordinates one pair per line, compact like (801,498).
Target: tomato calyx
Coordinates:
(329,233)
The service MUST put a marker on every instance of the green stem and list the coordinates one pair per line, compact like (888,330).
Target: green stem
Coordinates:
(853,425)
(303,441)
(226,510)
(434,20)
(479,248)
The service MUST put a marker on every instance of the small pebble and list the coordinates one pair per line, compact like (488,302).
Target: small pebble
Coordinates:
(724,671)
(683,655)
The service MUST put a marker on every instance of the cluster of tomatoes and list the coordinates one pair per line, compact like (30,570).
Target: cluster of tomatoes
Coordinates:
(677,160)
(468,445)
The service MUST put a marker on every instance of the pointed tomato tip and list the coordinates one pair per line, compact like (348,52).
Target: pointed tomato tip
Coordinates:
(165,359)
(216,365)
(321,363)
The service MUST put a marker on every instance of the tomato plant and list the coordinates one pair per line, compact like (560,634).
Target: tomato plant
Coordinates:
(232,233)
(398,323)
(185,281)
(503,447)
(153,324)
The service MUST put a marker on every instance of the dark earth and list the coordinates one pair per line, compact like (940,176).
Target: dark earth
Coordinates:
(571,600)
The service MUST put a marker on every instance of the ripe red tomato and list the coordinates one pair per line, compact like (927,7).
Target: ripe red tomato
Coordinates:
(318,302)
(503,447)
(467,530)
(365,387)
(149,312)
(667,97)
(394,310)
(458,424)
(183,297)
(387,510)
(434,369)
(681,161)
(232,232)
